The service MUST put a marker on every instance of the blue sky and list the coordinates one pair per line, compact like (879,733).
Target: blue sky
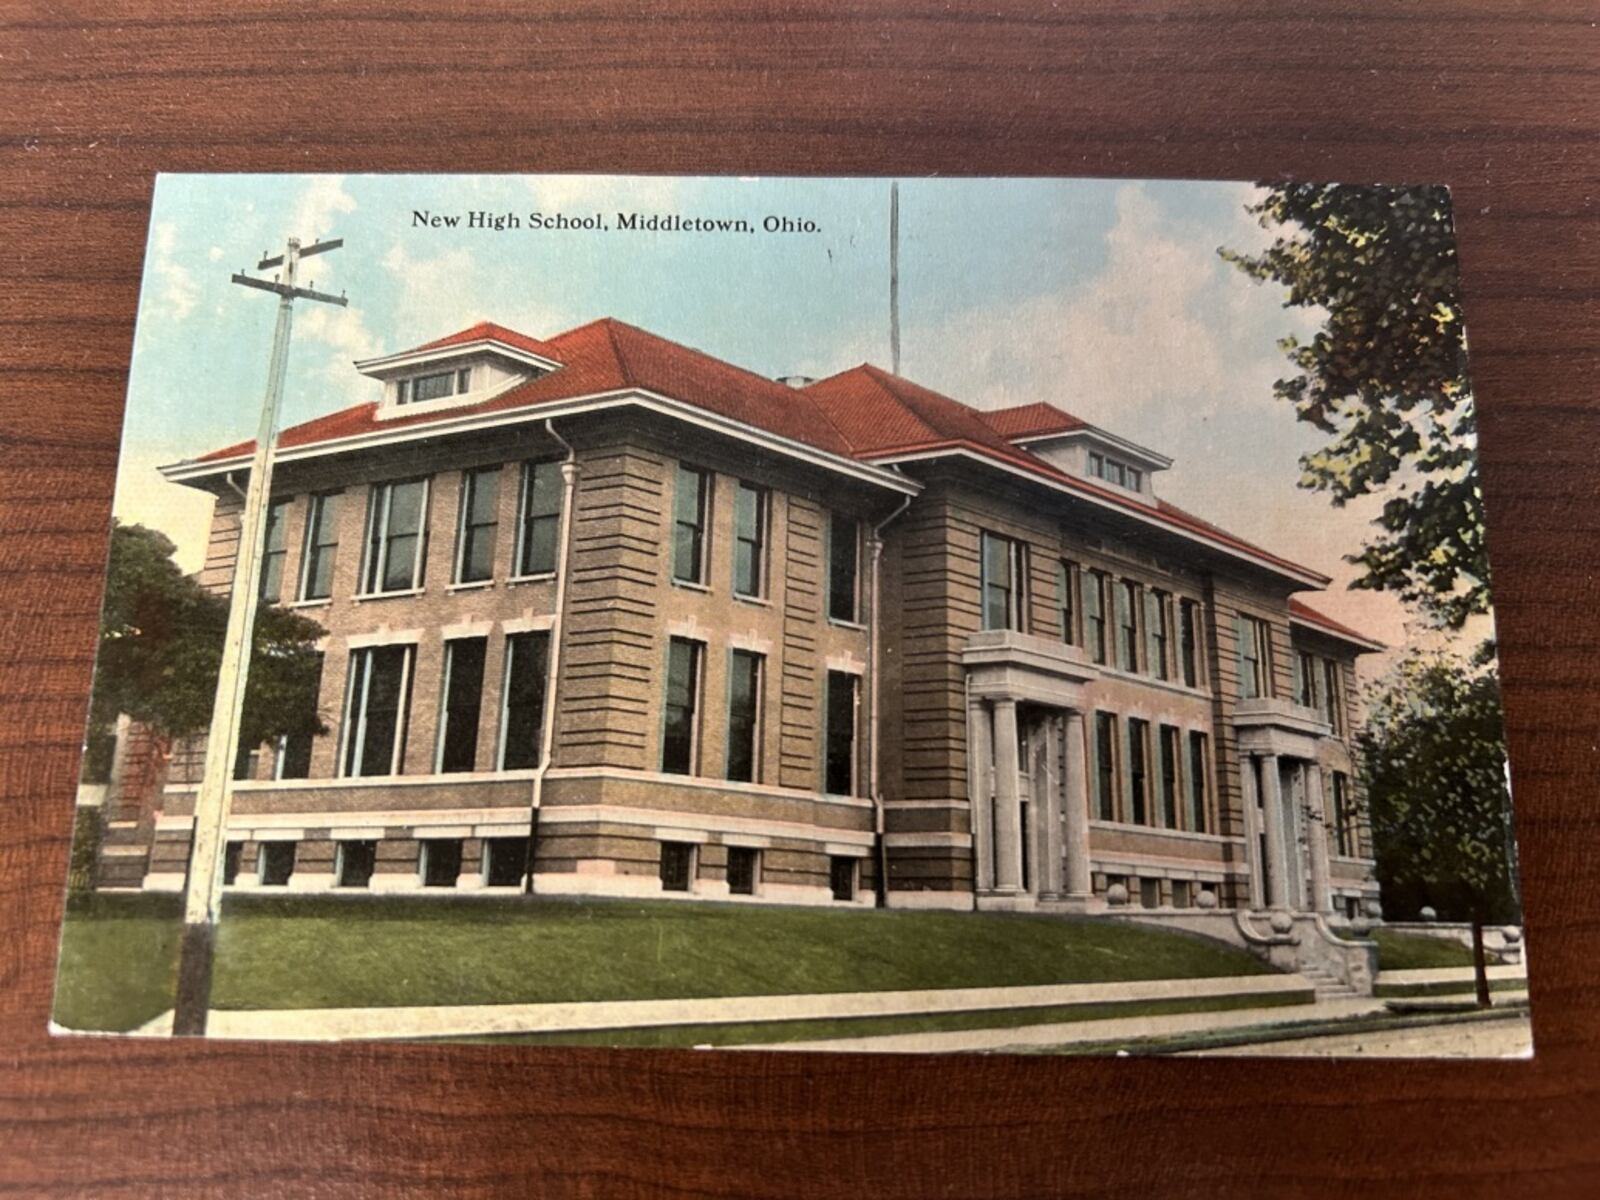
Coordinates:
(1105,297)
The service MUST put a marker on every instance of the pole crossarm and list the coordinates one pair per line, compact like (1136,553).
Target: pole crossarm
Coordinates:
(305,252)
(294,293)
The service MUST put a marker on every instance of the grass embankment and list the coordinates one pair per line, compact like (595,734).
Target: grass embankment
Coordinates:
(1416,952)
(336,952)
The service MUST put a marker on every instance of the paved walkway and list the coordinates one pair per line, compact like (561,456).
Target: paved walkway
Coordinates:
(1510,1036)
(1449,975)
(327,1024)
(1071,1033)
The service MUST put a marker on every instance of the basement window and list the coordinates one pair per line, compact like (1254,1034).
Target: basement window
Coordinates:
(677,866)
(275,864)
(842,877)
(441,862)
(743,867)
(354,863)
(230,863)
(505,861)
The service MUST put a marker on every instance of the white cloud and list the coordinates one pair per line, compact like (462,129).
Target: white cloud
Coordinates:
(441,294)
(171,292)
(317,211)
(575,193)
(143,497)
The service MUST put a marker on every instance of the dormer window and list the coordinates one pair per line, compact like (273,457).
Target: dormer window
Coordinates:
(1114,471)
(433,386)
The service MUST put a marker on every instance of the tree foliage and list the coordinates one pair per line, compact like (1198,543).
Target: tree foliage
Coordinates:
(161,637)
(1386,377)
(1433,757)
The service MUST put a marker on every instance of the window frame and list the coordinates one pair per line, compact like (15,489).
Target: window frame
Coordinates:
(1066,600)
(353,730)
(1105,765)
(1189,642)
(491,852)
(341,862)
(1014,590)
(1137,776)
(1169,753)
(1127,600)
(836,522)
(377,546)
(852,878)
(527,518)
(1345,843)
(748,885)
(829,732)
(1157,634)
(1199,776)
(690,854)
(274,556)
(1260,641)
(447,709)
(700,527)
(1333,700)
(1097,632)
(693,709)
(469,531)
(539,638)
(312,548)
(426,847)
(757,540)
(758,661)
(265,850)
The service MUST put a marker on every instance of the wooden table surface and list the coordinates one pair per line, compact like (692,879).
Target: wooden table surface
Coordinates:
(1500,101)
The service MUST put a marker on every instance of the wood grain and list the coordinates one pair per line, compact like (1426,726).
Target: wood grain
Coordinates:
(1501,102)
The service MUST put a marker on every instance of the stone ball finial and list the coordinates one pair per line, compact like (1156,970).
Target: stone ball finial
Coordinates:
(1375,910)
(1206,899)
(1281,922)
(1512,935)
(1428,914)
(1117,894)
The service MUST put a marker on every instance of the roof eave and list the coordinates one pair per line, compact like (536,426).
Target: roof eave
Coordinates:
(386,363)
(195,470)
(1367,645)
(1304,576)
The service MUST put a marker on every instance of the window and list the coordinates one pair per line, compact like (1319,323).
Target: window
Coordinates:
(842,877)
(435,386)
(744,715)
(691,510)
(276,549)
(743,867)
(294,749)
(1198,774)
(1156,634)
(354,863)
(1189,642)
(1333,708)
(750,540)
(1135,478)
(396,552)
(245,760)
(1303,679)
(231,854)
(677,866)
(522,706)
(1066,581)
(538,518)
(1105,766)
(1138,769)
(322,539)
(1094,614)
(844,567)
(505,860)
(680,735)
(1127,605)
(1255,671)
(377,701)
(275,863)
(1343,820)
(463,702)
(1171,751)
(480,492)
(840,769)
(1004,572)
(1112,471)
(1149,893)
(441,862)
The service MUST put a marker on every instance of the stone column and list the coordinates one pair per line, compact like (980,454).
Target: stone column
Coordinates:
(1249,783)
(1049,805)
(1272,813)
(1075,798)
(1317,836)
(980,792)
(1007,799)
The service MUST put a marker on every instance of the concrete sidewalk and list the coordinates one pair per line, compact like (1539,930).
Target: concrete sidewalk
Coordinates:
(1426,975)
(1070,1033)
(329,1024)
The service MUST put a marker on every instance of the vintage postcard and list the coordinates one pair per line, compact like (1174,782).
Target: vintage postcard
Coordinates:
(934,615)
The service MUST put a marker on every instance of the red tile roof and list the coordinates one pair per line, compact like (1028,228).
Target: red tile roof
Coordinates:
(1032,420)
(488,330)
(863,413)
(1300,610)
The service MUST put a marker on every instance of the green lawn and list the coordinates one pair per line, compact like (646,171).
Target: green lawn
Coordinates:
(1415,951)
(315,952)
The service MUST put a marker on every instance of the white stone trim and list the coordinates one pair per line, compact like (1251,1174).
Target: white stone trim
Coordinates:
(465,629)
(369,781)
(164,881)
(748,841)
(638,887)
(294,834)
(845,664)
(123,851)
(675,826)
(846,850)
(450,831)
(927,839)
(529,623)
(1161,831)
(672,833)
(356,833)
(243,823)
(1164,866)
(708,783)
(383,636)
(501,830)
(948,901)
(750,641)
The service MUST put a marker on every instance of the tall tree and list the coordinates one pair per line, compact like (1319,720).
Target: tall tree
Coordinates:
(1434,760)
(161,637)
(1386,377)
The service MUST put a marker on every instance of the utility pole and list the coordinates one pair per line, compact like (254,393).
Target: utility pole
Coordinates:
(894,277)
(203,887)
